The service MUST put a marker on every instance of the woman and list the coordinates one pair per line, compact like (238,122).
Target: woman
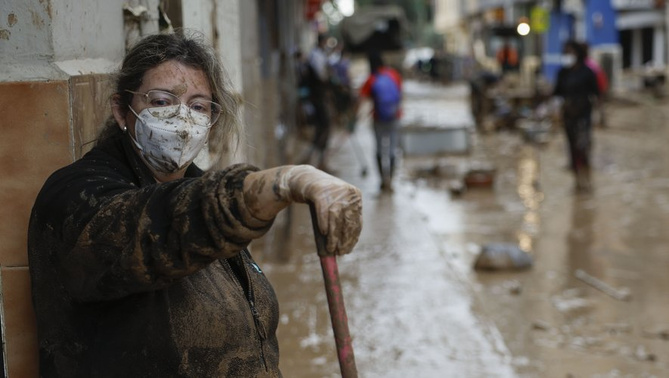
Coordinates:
(577,85)
(138,258)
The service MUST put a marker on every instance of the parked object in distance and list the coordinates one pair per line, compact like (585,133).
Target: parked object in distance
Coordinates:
(503,256)
(482,177)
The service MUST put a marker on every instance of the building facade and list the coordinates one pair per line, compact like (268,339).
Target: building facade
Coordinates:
(627,37)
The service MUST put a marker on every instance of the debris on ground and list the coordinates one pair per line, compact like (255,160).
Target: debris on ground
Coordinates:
(480,176)
(456,187)
(514,287)
(571,305)
(536,131)
(617,328)
(642,354)
(571,302)
(622,294)
(503,256)
(541,325)
(657,332)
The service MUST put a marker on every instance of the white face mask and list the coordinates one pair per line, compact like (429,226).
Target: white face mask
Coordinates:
(568,60)
(169,144)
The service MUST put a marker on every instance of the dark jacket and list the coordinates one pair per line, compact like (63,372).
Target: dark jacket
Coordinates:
(131,278)
(578,87)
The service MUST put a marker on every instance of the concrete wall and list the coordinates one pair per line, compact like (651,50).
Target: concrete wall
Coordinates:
(25,40)
(220,22)
(87,30)
(259,87)
(228,38)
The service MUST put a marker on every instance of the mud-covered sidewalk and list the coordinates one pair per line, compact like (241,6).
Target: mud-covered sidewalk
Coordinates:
(417,308)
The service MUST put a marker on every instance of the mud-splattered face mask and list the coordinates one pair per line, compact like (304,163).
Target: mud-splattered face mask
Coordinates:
(168,144)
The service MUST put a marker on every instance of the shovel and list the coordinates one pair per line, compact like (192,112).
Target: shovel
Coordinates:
(335,303)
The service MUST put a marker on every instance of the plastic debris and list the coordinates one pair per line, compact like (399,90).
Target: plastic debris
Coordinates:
(619,294)
(541,325)
(659,332)
(642,354)
(480,177)
(503,256)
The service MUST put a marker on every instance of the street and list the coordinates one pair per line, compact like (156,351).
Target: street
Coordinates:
(416,306)
(591,300)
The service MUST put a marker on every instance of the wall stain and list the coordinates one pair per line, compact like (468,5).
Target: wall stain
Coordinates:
(48,7)
(36,19)
(12,19)
(4,34)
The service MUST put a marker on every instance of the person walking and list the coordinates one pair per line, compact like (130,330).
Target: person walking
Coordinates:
(342,99)
(138,259)
(384,88)
(318,83)
(577,85)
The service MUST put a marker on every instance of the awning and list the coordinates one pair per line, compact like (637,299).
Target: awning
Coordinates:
(376,26)
(638,20)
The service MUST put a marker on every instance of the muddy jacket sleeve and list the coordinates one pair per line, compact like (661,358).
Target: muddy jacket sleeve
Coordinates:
(111,236)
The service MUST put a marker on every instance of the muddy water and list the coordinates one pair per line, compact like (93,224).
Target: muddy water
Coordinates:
(407,313)
(417,308)
(558,324)
(553,323)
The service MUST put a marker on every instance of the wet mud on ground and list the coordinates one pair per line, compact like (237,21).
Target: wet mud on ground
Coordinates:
(417,308)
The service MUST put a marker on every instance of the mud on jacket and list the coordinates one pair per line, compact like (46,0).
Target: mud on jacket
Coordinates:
(131,278)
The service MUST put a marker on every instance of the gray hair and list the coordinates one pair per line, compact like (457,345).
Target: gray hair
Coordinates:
(186,47)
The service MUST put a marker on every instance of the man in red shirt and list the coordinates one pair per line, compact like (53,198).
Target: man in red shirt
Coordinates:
(384,88)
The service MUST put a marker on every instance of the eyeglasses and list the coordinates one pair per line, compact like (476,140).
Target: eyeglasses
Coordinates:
(156,98)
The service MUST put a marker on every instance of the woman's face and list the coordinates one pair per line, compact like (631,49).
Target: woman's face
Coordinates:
(185,82)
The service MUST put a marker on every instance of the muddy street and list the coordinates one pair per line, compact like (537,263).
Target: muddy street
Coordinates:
(416,306)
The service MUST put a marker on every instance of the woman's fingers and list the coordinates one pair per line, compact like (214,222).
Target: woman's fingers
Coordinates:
(351,224)
(338,206)
(344,222)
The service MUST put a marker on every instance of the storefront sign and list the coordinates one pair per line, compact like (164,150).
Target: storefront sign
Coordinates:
(539,20)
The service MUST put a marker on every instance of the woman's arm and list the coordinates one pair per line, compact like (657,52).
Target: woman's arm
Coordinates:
(110,238)
(338,204)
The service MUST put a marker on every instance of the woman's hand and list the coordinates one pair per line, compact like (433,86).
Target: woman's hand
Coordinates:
(338,204)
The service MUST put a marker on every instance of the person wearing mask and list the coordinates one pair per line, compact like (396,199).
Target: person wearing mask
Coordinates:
(577,85)
(384,88)
(138,258)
